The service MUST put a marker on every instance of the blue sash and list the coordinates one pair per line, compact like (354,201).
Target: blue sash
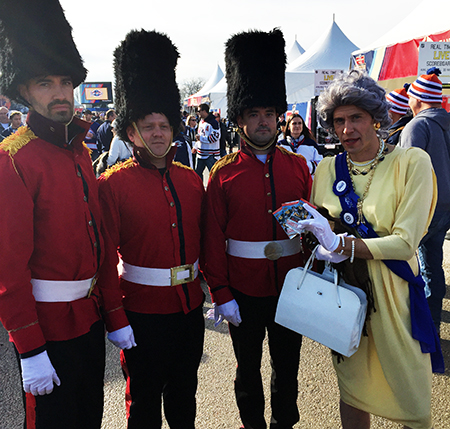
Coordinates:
(422,326)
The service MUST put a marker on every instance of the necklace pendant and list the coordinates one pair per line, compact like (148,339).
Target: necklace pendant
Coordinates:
(364,172)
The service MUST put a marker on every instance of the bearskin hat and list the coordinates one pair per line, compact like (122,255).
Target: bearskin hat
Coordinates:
(144,68)
(255,64)
(36,40)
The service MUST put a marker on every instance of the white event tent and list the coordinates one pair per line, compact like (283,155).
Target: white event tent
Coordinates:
(392,60)
(294,52)
(197,98)
(331,52)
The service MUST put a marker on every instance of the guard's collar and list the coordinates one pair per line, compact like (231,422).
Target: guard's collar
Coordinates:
(55,132)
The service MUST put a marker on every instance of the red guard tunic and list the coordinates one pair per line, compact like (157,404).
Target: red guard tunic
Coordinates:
(242,194)
(49,230)
(154,221)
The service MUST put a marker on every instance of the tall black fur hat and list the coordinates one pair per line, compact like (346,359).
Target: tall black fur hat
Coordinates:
(144,68)
(255,64)
(36,40)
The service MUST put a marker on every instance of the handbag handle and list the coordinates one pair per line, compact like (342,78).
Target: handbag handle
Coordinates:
(305,271)
(307,267)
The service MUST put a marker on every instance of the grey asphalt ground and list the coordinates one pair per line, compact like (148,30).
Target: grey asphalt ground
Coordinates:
(318,393)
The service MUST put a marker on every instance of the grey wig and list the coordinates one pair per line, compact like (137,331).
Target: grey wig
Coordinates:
(358,89)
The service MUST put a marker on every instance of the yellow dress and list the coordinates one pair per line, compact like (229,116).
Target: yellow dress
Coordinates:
(388,376)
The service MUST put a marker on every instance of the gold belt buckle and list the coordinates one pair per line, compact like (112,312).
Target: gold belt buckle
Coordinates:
(93,282)
(273,251)
(174,278)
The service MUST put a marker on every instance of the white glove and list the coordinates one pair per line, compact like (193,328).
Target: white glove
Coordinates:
(123,337)
(320,227)
(323,254)
(38,374)
(228,311)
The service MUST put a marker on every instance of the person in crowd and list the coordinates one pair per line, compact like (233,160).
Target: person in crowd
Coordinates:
(207,141)
(119,150)
(191,128)
(4,118)
(16,122)
(224,138)
(430,131)
(184,148)
(383,197)
(153,208)
(298,139)
(104,132)
(91,136)
(50,225)
(281,123)
(399,112)
(247,254)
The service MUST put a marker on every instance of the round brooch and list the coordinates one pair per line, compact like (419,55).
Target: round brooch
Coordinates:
(340,187)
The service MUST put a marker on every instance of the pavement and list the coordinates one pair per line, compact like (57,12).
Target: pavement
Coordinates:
(216,408)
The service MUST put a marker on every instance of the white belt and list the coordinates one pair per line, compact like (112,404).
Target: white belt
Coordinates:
(272,250)
(159,276)
(60,290)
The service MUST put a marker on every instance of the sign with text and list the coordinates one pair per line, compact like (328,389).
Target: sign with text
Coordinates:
(322,78)
(96,92)
(435,54)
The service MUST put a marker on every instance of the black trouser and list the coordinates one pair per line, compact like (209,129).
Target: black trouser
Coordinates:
(257,315)
(164,363)
(78,401)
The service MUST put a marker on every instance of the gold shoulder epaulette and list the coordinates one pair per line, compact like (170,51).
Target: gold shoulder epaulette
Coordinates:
(179,164)
(18,140)
(222,162)
(88,148)
(288,152)
(117,167)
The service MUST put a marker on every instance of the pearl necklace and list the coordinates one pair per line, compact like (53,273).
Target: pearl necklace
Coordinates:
(374,163)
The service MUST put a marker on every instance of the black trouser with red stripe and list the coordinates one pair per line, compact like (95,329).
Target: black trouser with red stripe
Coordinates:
(164,364)
(258,315)
(78,401)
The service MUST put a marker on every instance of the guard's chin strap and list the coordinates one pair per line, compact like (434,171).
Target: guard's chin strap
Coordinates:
(253,145)
(148,149)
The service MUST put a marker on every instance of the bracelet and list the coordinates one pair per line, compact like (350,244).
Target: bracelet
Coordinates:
(352,258)
(343,245)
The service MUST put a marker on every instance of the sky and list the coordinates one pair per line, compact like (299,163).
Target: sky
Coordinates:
(200,29)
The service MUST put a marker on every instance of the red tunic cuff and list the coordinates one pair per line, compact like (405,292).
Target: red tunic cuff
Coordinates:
(115,319)
(28,338)
(221,294)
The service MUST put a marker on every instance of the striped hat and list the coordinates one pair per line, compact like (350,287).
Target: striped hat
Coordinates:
(427,87)
(399,100)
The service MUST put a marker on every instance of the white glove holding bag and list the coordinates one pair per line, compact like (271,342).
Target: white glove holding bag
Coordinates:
(320,227)
(38,374)
(228,311)
(123,338)
(323,254)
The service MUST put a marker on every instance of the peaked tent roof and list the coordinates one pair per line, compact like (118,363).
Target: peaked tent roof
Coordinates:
(294,52)
(393,59)
(332,51)
(218,96)
(210,83)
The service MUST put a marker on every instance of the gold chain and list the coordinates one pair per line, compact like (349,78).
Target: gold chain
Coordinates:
(373,166)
